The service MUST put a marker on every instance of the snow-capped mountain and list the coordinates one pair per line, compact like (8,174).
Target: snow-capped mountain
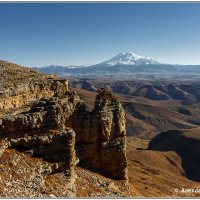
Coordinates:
(129,59)
(123,63)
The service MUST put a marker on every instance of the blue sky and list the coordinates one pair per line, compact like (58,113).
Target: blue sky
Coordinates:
(40,34)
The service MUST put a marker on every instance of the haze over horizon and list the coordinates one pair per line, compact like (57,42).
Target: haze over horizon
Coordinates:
(41,34)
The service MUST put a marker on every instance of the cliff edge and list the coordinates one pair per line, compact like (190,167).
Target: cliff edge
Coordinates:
(43,122)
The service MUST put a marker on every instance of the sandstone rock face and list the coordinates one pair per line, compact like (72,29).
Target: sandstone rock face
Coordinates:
(100,140)
(41,133)
(20,86)
(57,128)
(25,94)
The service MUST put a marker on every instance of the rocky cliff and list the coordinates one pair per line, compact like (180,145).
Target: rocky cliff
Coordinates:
(100,140)
(42,119)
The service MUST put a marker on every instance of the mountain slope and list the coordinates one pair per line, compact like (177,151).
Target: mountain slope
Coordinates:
(145,118)
(128,59)
(155,173)
(12,74)
(186,92)
(123,63)
(186,143)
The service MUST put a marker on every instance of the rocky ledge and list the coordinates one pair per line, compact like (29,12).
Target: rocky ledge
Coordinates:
(42,119)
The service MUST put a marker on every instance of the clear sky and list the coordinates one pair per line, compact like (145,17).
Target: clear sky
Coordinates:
(41,34)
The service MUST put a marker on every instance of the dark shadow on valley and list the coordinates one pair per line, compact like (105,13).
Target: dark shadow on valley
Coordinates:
(187,146)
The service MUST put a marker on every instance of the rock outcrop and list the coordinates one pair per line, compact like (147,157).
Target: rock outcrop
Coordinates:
(100,140)
(41,133)
(20,86)
(43,119)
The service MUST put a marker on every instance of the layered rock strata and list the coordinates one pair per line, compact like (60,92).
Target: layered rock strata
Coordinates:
(41,132)
(56,127)
(26,94)
(100,136)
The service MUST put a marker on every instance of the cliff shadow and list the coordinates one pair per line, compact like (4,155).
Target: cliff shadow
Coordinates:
(186,146)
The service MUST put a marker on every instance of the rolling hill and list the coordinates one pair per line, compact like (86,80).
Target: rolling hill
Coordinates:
(186,143)
(148,115)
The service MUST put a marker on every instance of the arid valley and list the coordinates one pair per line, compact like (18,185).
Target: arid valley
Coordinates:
(133,138)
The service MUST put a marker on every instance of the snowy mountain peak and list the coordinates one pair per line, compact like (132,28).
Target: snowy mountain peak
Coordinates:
(129,58)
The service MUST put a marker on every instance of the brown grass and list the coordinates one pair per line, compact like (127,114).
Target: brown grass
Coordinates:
(156,174)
